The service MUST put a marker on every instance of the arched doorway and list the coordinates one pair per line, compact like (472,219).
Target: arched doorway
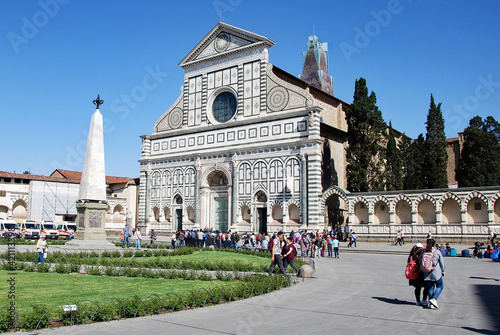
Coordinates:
(219,215)
(335,214)
(260,204)
(178,212)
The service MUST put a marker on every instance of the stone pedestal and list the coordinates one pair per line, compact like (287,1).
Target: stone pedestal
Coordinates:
(90,231)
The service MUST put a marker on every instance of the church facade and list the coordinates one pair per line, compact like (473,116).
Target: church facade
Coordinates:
(250,147)
(242,148)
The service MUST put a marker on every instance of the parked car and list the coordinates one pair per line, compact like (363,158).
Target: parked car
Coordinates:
(9,228)
(50,230)
(29,229)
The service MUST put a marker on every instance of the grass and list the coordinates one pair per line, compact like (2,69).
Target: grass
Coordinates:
(51,288)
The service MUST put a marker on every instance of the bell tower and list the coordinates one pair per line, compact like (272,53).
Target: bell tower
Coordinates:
(315,65)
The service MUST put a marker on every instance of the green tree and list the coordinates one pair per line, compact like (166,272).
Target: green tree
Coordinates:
(412,159)
(436,157)
(365,150)
(479,162)
(393,167)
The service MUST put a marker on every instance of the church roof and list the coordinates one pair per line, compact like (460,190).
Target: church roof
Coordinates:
(222,41)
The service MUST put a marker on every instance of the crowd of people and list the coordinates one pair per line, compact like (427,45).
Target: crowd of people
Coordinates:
(312,244)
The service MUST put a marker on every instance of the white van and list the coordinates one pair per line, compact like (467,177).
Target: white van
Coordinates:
(29,229)
(9,228)
(50,230)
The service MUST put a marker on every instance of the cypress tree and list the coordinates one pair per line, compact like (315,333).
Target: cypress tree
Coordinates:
(393,173)
(479,162)
(365,151)
(436,157)
(412,156)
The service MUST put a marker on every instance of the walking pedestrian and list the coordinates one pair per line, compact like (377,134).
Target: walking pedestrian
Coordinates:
(173,239)
(42,248)
(289,254)
(415,254)
(336,245)
(152,238)
(276,258)
(138,238)
(126,236)
(434,278)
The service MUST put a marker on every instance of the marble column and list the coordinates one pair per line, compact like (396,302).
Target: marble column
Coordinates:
(234,193)
(303,190)
(197,205)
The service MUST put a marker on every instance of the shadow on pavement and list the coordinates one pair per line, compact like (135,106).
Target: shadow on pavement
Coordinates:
(484,278)
(481,331)
(490,296)
(394,301)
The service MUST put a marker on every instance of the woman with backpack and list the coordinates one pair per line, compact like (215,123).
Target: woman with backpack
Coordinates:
(289,253)
(432,265)
(415,276)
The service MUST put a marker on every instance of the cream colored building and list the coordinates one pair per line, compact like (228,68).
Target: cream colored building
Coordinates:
(52,198)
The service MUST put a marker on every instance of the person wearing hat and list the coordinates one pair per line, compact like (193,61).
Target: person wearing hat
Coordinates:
(415,254)
(41,247)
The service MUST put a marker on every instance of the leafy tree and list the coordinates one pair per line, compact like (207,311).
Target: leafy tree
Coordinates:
(393,167)
(365,151)
(412,159)
(436,157)
(479,162)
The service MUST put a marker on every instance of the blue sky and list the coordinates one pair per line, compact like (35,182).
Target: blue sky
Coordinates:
(57,55)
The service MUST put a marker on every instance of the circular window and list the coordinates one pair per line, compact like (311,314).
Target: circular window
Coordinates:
(224,106)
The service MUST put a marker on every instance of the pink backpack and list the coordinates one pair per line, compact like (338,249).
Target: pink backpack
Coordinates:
(427,262)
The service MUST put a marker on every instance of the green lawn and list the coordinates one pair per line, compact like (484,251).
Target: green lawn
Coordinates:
(51,288)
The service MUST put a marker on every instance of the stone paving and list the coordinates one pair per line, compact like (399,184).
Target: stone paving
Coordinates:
(362,292)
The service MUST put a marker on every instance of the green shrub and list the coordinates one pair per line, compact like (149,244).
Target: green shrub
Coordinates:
(205,276)
(106,253)
(33,318)
(44,268)
(116,254)
(128,253)
(130,306)
(5,320)
(139,253)
(62,268)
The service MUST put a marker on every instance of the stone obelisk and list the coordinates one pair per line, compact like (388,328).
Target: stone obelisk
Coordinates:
(92,205)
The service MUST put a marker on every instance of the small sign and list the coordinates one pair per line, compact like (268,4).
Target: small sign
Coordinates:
(69,308)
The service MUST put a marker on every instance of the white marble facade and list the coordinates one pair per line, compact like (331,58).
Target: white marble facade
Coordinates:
(237,163)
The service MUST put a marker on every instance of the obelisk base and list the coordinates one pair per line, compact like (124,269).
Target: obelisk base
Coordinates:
(90,232)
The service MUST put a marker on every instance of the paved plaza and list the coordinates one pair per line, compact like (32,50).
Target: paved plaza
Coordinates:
(362,292)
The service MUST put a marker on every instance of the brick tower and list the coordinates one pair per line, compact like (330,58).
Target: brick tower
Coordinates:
(315,65)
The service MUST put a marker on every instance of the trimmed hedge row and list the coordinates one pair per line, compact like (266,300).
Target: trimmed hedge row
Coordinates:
(36,317)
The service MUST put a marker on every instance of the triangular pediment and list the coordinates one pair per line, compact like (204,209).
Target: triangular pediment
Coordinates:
(224,40)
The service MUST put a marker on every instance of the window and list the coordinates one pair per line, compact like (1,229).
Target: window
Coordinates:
(477,206)
(3,193)
(224,106)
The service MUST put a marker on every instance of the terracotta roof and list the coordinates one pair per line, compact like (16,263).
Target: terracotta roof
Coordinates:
(110,180)
(5,174)
(453,139)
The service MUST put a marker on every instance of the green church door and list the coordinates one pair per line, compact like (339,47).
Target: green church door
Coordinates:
(220,214)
